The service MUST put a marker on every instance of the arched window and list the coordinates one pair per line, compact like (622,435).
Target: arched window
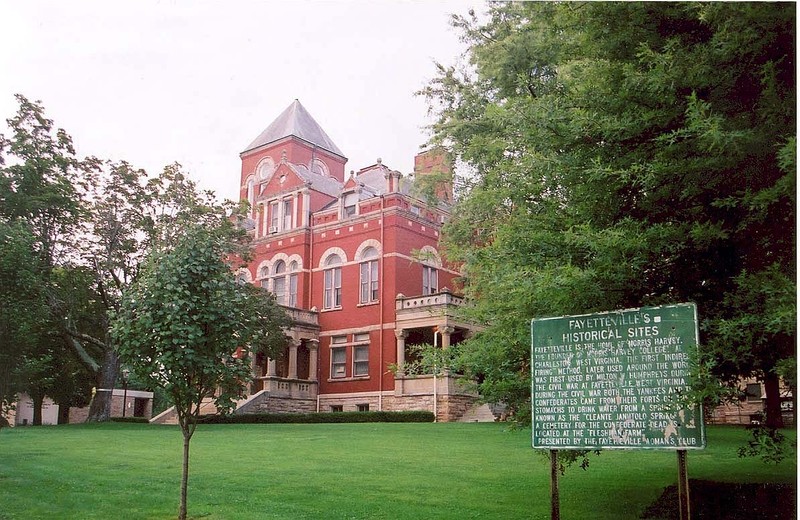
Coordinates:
(332,296)
(263,275)
(265,168)
(319,167)
(251,192)
(293,268)
(369,275)
(279,282)
(243,276)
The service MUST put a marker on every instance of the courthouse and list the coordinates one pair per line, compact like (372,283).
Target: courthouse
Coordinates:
(354,258)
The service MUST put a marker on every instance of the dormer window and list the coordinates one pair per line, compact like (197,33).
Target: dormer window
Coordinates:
(349,205)
(319,168)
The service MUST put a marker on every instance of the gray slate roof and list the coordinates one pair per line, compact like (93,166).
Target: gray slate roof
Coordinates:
(328,185)
(296,121)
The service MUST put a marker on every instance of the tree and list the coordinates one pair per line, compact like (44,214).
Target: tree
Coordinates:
(42,208)
(188,326)
(21,308)
(93,223)
(621,155)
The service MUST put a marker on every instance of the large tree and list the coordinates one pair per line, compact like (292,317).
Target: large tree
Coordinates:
(620,155)
(42,208)
(92,224)
(187,325)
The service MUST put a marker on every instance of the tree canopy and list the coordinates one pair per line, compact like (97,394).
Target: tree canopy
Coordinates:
(74,233)
(622,155)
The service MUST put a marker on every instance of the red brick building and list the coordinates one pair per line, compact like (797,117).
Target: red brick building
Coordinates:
(355,259)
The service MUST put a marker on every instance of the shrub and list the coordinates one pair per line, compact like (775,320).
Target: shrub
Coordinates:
(129,419)
(327,417)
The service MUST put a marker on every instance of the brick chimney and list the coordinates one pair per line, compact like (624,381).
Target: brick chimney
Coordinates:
(436,161)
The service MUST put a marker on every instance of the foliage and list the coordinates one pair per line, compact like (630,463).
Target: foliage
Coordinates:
(412,416)
(21,308)
(189,327)
(425,359)
(92,223)
(767,443)
(623,155)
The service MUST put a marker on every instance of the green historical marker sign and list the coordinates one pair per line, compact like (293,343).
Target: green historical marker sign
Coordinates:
(613,380)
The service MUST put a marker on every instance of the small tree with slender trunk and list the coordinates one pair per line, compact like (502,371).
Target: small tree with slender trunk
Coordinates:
(189,327)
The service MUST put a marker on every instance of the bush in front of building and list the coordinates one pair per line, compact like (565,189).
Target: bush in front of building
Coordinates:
(129,419)
(328,417)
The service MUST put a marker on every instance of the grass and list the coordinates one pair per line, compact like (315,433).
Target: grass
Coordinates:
(339,471)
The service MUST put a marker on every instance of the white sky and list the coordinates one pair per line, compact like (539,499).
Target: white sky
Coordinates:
(153,82)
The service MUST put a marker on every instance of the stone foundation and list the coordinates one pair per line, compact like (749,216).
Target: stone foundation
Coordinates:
(271,404)
(450,408)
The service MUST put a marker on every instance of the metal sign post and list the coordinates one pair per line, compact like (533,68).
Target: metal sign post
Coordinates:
(555,512)
(683,487)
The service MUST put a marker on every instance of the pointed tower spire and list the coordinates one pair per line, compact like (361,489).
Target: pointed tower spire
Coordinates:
(296,121)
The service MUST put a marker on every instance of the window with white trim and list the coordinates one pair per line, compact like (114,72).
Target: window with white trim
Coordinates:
(251,192)
(349,205)
(361,360)
(279,282)
(263,275)
(273,217)
(292,295)
(430,280)
(332,295)
(338,357)
(369,275)
(286,222)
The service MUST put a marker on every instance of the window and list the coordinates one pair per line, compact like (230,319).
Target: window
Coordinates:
(336,408)
(243,276)
(361,361)
(361,354)
(369,275)
(293,267)
(753,392)
(251,192)
(430,280)
(287,214)
(273,215)
(363,407)
(349,204)
(265,168)
(263,274)
(332,297)
(279,282)
(319,167)
(338,357)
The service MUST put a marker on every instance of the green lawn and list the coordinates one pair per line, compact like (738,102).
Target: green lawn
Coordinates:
(337,471)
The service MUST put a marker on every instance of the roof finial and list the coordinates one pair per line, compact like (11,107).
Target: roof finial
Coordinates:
(283,156)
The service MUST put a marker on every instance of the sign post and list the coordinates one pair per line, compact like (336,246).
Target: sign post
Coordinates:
(615,380)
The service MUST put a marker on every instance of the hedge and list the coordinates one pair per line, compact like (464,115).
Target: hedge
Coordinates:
(327,417)
(129,419)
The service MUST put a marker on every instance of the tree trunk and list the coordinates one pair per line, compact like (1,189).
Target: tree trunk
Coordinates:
(38,401)
(185,477)
(100,408)
(774,419)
